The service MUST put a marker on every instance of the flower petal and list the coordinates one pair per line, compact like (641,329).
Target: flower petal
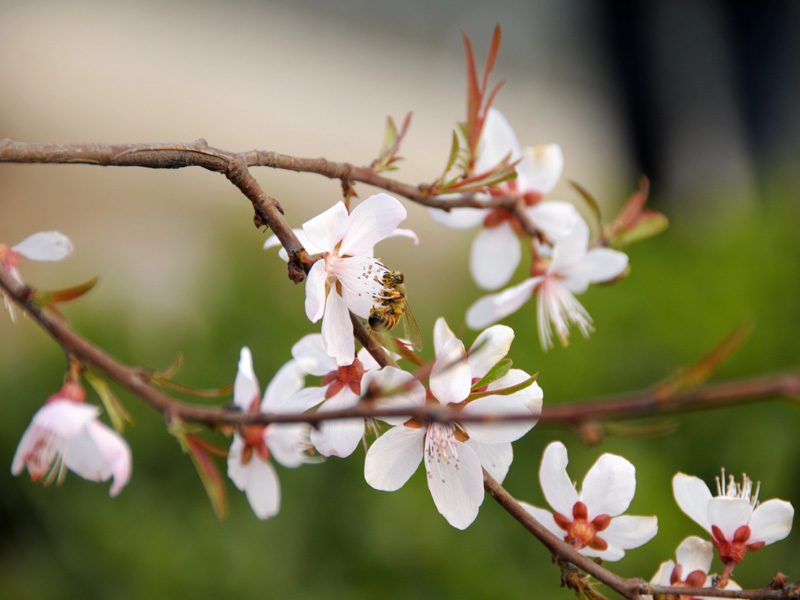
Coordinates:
(489,348)
(273,241)
(494,307)
(494,257)
(491,406)
(393,458)
(692,495)
(609,486)
(257,479)
(570,250)
(287,442)
(556,485)
(540,168)
(599,264)
(729,514)
(410,392)
(495,458)
(545,518)
(442,334)
(45,246)
(370,222)
(316,281)
(337,330)
(458,218)
(338,437)
(556,219)
(662,577)
(245,387)
(289,380)
(407,233)
(115,451)
(628,532)
(310,351)
(326,229)
(771,521)
(456,484)
(497,141)
(450,379)
(694,554)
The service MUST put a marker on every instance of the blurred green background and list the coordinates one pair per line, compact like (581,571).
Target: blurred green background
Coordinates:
(181,270)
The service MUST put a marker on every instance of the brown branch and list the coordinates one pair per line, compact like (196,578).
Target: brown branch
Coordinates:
(200,154)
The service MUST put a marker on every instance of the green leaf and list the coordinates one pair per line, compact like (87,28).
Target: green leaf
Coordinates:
(495,373)
(390,137)
(505,391)
(650,225)
(116,412)
(591,202)
(45,298)
(454,149)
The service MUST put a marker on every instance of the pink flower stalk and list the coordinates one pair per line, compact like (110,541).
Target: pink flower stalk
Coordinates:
(572,268)
(346,277)
(454,454)
(496,250)
(249,458)
(590,521)
(737,522)
(66,434)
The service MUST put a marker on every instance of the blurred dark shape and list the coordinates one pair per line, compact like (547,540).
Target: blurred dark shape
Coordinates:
(678,62)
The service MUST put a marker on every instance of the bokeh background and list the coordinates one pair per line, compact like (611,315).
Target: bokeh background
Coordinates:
(702,96)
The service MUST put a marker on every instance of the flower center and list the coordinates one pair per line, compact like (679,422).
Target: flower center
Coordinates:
(580,532)
(440,445)
(349,375)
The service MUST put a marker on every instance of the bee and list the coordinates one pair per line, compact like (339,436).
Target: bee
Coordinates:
(393,305)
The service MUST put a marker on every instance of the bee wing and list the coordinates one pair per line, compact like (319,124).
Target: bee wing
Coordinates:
(411,329)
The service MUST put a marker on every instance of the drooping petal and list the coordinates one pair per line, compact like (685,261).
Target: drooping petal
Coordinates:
(115,451)
(65,418)
(393,458)
(45,246)
(771,521)
(489,348)
(455,482)
(326,229)
(338,437)
(289,380)
(494,307)
(540,168)
(495,458)
(628,532)
(692,495)
(310,351)
(370,222)
(337,330)
(458,218)
(609,486)
(729,514)
(556,485)
(498,140)
(556,219)
(494,257)
(694,554)
(408,391)
(256,478)
(545,517)
(450,379)
(316,288)
(245,386)
(83,456)
(599,264)
(263,489)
